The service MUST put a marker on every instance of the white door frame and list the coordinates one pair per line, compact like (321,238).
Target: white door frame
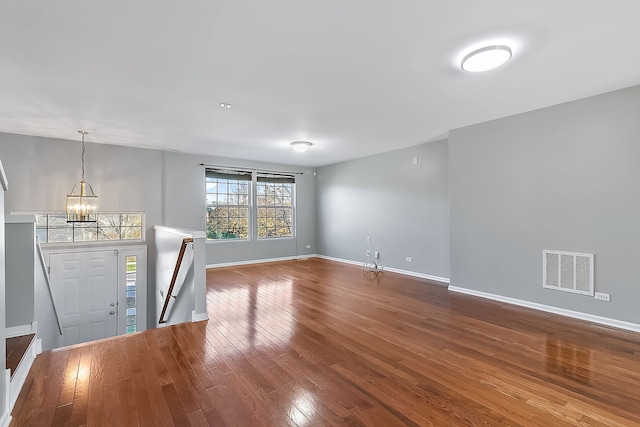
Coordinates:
(140,251)
(86,285)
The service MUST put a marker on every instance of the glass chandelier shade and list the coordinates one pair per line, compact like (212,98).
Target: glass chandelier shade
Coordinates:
(82,203)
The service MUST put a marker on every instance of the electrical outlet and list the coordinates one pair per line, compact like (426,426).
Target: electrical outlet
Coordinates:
(408,259)
(376,254)
(602,296)
(367,253)
(308,246)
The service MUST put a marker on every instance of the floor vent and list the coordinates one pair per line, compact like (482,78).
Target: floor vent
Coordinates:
(568,271)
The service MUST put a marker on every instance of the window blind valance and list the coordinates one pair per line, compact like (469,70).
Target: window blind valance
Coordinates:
(241,175)
(228,174)
(276,178)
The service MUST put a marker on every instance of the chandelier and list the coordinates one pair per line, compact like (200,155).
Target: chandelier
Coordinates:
(82,203)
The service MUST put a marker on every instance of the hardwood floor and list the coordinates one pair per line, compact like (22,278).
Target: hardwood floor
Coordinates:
(314,342)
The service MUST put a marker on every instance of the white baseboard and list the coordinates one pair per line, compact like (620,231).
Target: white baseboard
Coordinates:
(198,317)
(443,280)
(342,260)
(259,261)
(550,309)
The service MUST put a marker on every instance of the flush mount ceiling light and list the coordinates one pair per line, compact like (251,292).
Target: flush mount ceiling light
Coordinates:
(225,105)
(301,146)
(82,203)
(486,58)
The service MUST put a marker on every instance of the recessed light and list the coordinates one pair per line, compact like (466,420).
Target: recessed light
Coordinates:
(225,105)
(301,146)
(486,58)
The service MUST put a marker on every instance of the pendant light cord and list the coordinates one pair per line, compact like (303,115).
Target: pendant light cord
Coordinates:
(83,133)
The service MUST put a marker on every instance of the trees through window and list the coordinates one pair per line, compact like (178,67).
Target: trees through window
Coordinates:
(228,204)
(275,206)
(246,205)
(54,228)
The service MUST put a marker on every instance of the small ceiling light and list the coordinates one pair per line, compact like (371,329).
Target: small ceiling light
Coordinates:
(486,58)
(225,105)
(82,203)
(301,146)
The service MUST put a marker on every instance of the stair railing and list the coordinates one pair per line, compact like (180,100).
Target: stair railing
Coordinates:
(183,249)
(46,276)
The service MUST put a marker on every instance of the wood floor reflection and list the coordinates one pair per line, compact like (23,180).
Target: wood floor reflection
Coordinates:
(315,342)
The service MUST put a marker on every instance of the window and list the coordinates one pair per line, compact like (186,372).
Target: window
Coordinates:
(131,296)
(249,205)
(132,288)
(275,206)
(228,195)
(54,228)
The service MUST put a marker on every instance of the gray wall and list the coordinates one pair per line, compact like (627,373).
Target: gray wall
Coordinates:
(20,273)
(184,207)
(403,207)
(563,178)
(43,170)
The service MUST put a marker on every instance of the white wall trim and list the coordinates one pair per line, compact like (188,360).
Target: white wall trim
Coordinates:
(550,309)
(184,232)
(5,420)
(198,317)
(6,416)
(19,219)
(20,375)
(260,261)
(16,331)
(443,280)
(342,260)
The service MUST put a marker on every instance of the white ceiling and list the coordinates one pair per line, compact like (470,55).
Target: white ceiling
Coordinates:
(355,77)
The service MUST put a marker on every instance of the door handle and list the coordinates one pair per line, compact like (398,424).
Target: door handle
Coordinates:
(112,304)
(112,312)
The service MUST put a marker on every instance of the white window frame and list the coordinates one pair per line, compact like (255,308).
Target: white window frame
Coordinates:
(250,207)
(140,252)
(253,204)
(90,242)
(293,213)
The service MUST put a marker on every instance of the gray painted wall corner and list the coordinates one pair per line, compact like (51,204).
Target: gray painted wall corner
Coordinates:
(398,199)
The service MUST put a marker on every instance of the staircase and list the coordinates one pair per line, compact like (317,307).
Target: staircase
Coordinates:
(21,352)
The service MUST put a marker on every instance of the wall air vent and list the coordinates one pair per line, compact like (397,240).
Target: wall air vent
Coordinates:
(568,271)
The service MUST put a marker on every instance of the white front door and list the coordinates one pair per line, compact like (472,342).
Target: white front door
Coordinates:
(85,288)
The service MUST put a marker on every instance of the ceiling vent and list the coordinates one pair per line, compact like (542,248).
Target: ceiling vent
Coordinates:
(568,271)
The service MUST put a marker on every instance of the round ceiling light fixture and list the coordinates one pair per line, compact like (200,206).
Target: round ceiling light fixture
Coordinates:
(486,58)
(301,146)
